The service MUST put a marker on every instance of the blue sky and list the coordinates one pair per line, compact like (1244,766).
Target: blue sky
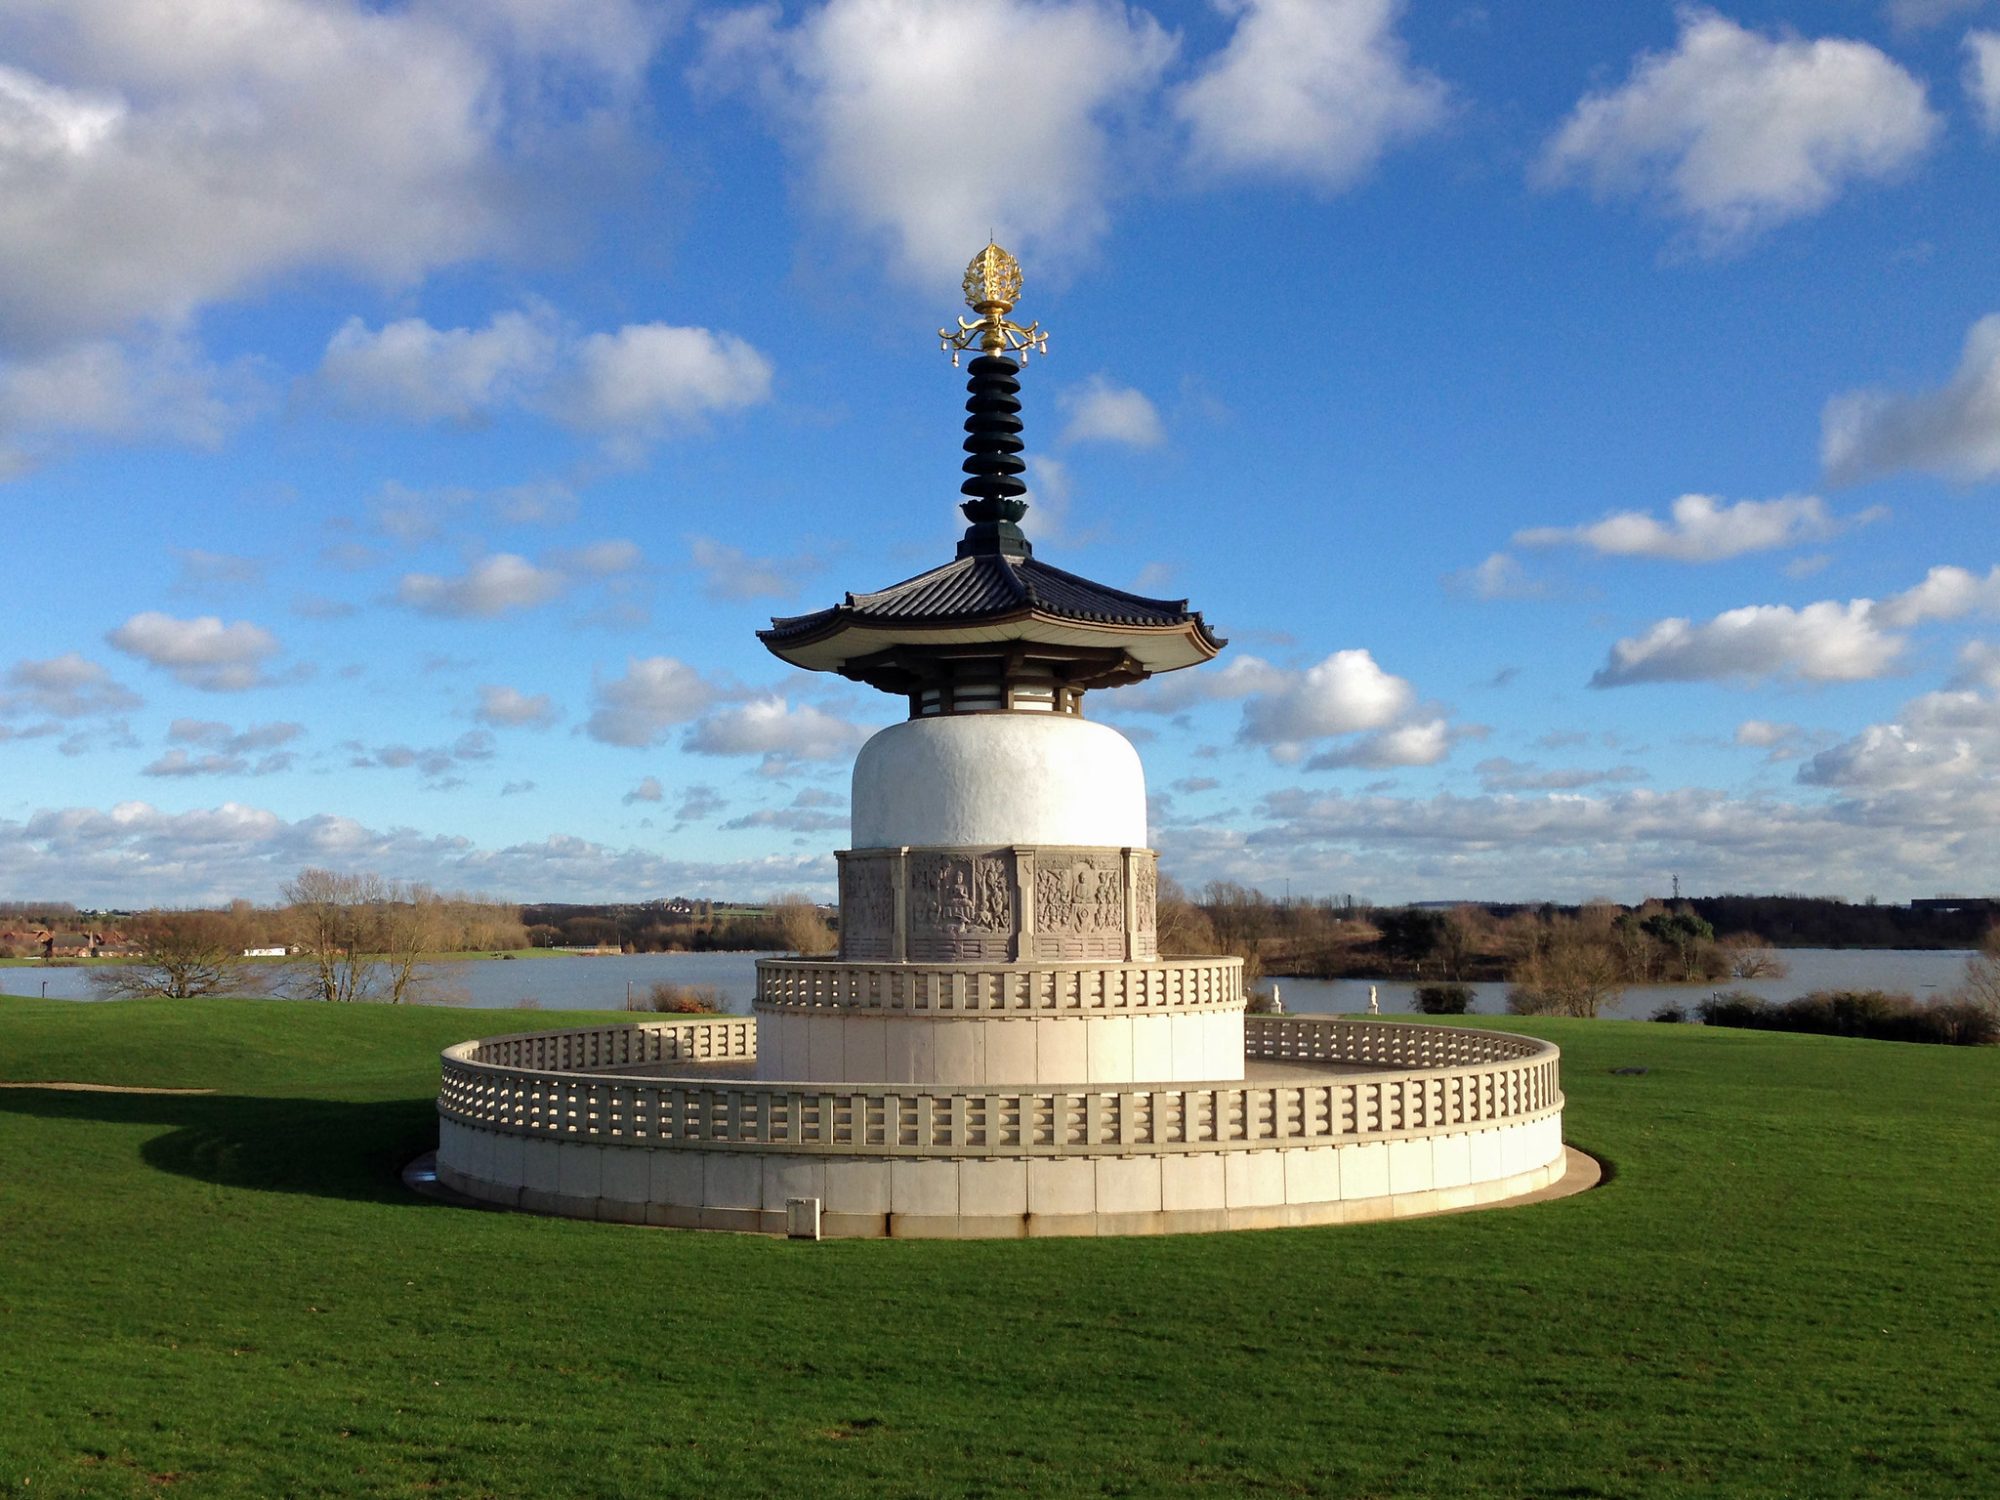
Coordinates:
(1582,419)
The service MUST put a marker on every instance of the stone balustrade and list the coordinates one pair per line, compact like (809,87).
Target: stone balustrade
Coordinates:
(1390,1044)
(1011,989)
(555,1086)
(600,1048)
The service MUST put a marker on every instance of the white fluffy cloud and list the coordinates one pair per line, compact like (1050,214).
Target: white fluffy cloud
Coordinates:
(70,686)
(1737,132)
(160,158)
(510,708)
(1978,666)
(1939,742)
(1286,712)
(162,390)
(202,652)
(1347,693)
(655,694)
(1702,529)
(875,97)
(636,382)
(1853,841)
(1946,593)
(1982,77)
(1823,642)
(1315,90)
(770,726)
(1101,411)
(417,373)
(135,853)
(1422,742)
(649,374)
(495,585)
(227,751)
(1953,431)
(1828,641)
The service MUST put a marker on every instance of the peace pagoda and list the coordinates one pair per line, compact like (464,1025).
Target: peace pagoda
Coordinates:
(999,1048)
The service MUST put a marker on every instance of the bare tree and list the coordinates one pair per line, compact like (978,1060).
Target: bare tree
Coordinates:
(359,937)
(408,921)
(1181,929)
(1981,985)
(1457,939)
(182,955)
(1750,957)
(1574,968)
(803,925)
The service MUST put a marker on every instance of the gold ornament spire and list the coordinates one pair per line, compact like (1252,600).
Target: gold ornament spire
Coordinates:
(992,287)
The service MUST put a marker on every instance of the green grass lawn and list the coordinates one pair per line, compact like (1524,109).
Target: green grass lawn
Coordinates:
(1790,1285)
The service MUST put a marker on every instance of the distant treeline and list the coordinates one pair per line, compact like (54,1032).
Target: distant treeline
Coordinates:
(790,923)
(1699,938)
(1821,922)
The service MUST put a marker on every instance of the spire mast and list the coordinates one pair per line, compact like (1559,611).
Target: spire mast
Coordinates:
(993,404)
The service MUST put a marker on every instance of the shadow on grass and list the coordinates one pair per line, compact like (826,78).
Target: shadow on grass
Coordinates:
(327,1148)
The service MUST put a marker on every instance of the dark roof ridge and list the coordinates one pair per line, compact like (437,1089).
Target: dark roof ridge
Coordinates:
(1166,606)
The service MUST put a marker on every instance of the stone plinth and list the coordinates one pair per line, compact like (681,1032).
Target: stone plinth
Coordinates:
(952,1024)
(983,904)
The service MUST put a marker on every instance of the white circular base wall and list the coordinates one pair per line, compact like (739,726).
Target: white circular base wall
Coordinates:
(1023,1051)
(1372,1119)
(1001,778)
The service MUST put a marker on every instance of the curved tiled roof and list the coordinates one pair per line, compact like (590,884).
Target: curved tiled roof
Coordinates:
(992,586)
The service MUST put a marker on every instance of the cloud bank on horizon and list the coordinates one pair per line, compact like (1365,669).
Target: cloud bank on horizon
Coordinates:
(1589,435)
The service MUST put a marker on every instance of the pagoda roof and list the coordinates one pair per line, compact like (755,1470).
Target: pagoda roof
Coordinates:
(996,597)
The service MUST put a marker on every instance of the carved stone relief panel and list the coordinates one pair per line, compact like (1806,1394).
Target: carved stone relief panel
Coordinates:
(1145,905)
(961,907)
(867,908)
(1079,905)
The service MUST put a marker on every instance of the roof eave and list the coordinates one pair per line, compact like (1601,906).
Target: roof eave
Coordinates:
(869,636)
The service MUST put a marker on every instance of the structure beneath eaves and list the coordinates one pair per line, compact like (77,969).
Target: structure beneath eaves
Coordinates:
(998,1048)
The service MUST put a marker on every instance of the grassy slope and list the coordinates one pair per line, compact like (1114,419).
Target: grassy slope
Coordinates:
(1789,1286)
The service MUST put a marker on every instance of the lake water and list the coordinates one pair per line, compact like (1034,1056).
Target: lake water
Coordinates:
(1919,972)
(599,982)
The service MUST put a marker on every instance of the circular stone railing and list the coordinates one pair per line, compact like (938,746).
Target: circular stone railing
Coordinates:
(557,1086)
(1002,989)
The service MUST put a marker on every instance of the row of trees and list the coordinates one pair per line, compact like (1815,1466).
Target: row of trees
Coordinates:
(356,938)
(347,937)
(1571,961)
(789,921)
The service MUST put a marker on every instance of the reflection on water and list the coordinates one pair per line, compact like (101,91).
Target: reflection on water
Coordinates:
(1922,973)
(601,982)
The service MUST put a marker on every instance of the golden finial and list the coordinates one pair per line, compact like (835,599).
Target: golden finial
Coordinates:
(992,287)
